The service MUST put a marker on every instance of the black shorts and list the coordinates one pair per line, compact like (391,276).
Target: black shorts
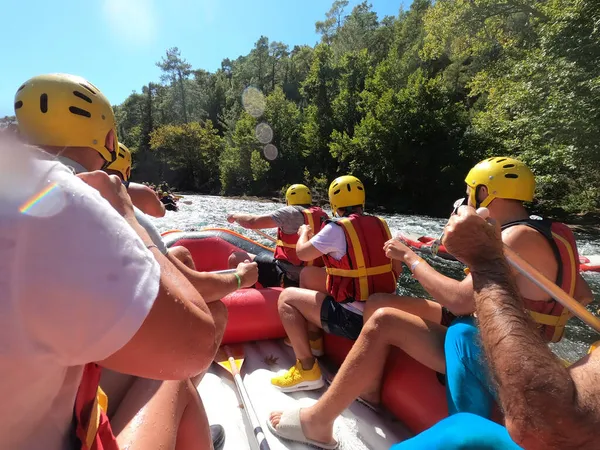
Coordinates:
(335,319)
(447,317)
(270,273)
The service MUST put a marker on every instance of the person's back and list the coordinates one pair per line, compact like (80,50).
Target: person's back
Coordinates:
(46,223)
(89,285)
(283,267)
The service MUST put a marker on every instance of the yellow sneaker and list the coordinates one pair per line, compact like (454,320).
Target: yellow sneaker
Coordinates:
(298,379)
(316,346)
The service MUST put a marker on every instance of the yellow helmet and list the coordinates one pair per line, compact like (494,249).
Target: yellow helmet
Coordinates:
(62,110)
(346,191)
(504,178)
(298,194)
(123,162)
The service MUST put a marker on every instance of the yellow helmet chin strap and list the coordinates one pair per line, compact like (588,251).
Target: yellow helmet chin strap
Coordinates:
(473,197)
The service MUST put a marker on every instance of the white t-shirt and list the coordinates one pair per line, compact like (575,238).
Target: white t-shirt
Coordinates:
(76,283)
(143,219)
(331,241)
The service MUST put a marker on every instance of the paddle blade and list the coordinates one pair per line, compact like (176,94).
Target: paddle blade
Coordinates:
(227,351)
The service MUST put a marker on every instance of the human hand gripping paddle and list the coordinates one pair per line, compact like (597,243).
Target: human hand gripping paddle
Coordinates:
(530,272)
(231,359)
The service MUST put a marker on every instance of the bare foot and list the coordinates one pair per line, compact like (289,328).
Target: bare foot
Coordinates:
(312,427)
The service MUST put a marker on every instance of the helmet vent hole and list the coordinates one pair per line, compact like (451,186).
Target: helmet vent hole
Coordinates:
(44,103)
(511,175)
(336,192)
(359,188)
(508,166)
(82,96)
(348,187)
(79,111)
(18,104)
(292,193)
(87,88)
(21,88)
(500,160)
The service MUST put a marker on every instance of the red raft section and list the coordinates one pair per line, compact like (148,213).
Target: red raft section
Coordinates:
(411,391)
(424,243)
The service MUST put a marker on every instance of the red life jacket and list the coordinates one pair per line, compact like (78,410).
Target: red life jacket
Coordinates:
(92,428)
(286,243)
(550,315)
(364,269)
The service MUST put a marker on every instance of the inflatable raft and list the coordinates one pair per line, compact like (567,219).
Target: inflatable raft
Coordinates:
(424,245)
(412,396)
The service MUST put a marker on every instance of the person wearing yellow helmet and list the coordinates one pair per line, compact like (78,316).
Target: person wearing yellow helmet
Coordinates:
(283,267)
(332,299)
(68,117)
(440,333)
(141,195)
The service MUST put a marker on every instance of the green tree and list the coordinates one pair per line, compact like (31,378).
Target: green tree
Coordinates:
(176,71)
(194,148)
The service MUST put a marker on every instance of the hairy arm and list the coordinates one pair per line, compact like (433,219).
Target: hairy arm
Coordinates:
(252,222)
(544,407)
(540,399)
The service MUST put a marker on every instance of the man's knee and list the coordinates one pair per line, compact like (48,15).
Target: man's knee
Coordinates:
(462,339)
(236,258)
(183,255)
(379,322)
(373,303)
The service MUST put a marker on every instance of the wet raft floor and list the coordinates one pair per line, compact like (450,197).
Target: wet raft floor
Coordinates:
(358,428)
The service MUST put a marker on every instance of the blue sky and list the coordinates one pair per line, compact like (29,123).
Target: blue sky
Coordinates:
(115,43)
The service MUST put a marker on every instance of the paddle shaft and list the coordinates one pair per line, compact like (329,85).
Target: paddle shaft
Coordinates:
(261,439)
(224,272)
(265,235)
(533,275)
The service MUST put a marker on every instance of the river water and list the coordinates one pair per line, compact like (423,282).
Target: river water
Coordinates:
(210,211)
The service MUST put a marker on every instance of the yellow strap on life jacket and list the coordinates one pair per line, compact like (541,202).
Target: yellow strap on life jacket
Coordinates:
(573,263)
(309,220)
(280,243)
(100,403)
(594,346)
(362,271)
(559,322)
(357,273)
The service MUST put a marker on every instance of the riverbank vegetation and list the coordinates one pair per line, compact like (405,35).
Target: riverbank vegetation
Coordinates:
(407,103)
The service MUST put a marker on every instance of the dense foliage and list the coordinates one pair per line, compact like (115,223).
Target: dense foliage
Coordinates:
(406,103)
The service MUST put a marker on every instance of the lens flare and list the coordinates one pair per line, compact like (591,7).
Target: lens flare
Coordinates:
(270,152)
(264,133)
(253,101)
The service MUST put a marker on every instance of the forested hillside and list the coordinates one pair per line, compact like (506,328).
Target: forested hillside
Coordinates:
(408,104)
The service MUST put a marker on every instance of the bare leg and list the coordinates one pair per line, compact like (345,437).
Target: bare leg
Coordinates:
(387,327)
(161,415)
(183,255)
(314,279)
(426,309)
(297,308)
(239,257)
(219,313)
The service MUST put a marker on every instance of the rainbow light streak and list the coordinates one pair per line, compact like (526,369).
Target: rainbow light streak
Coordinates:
(29,204)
